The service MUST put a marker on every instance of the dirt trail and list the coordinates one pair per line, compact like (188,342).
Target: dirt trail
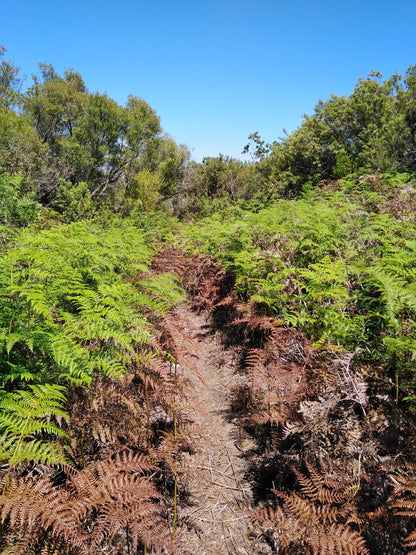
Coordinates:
(214,518)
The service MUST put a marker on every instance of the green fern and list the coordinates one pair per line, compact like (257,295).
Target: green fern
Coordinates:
(323,264)
(73,305)
(64,297)
(25,424)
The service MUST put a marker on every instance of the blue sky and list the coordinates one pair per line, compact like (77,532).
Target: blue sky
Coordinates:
(215,71)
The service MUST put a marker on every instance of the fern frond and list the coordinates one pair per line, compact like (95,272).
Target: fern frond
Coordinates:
(92,511)
(319,517)
(26,415)
(316,488)
(403,502)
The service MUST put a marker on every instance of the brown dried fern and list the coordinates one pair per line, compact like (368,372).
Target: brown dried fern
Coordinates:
(403,502)
(109,505)
(105,418)
(315,521)
(275,385)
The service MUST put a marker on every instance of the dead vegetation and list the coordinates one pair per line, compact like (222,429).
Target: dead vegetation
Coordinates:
(308,416)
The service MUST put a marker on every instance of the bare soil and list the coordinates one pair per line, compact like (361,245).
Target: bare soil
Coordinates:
(213,515)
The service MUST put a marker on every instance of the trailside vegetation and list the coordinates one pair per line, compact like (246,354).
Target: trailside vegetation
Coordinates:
(344,276)
(305,257)
(325,265)
(81,373)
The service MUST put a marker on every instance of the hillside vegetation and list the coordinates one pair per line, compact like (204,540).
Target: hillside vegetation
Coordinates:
(304,262)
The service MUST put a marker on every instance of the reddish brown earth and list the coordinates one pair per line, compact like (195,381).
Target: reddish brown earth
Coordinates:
(214,516)
(215,496)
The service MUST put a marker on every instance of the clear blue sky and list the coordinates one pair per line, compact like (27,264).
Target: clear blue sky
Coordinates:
(215,71)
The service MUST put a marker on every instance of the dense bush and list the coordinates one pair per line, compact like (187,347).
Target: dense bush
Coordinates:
(325,264)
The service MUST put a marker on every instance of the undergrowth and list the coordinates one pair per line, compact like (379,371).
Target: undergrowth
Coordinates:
(319,296)
(90,426)
(342,274)
(318,293)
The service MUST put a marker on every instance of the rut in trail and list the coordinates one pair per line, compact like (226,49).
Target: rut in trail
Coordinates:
(213,519)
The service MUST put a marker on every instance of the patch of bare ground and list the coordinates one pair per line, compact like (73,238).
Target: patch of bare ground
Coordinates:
(221,350)
(213,517)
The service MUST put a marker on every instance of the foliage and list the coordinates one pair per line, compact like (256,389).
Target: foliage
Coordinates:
(109,504)
(17,208)
(74,201)
(91,138)
(343,275)
(63,296)
(373,128)
(70,144)
(143,193)
(220,182)
(87,344)
(21,150)
(318,520)
(403,503)
(10,82)
(68,313)
(25,416)
(259,149)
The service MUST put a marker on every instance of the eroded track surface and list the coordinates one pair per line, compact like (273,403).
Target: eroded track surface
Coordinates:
(213,519)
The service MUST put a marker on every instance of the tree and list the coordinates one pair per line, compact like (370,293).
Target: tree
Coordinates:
(373,128)
(10,82)
(17,208)
(170,161)
(259,149)
(91,138)
(21,150)
(54,104)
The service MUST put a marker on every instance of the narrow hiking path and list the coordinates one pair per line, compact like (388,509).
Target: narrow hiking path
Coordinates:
(214,517)
(320,424)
